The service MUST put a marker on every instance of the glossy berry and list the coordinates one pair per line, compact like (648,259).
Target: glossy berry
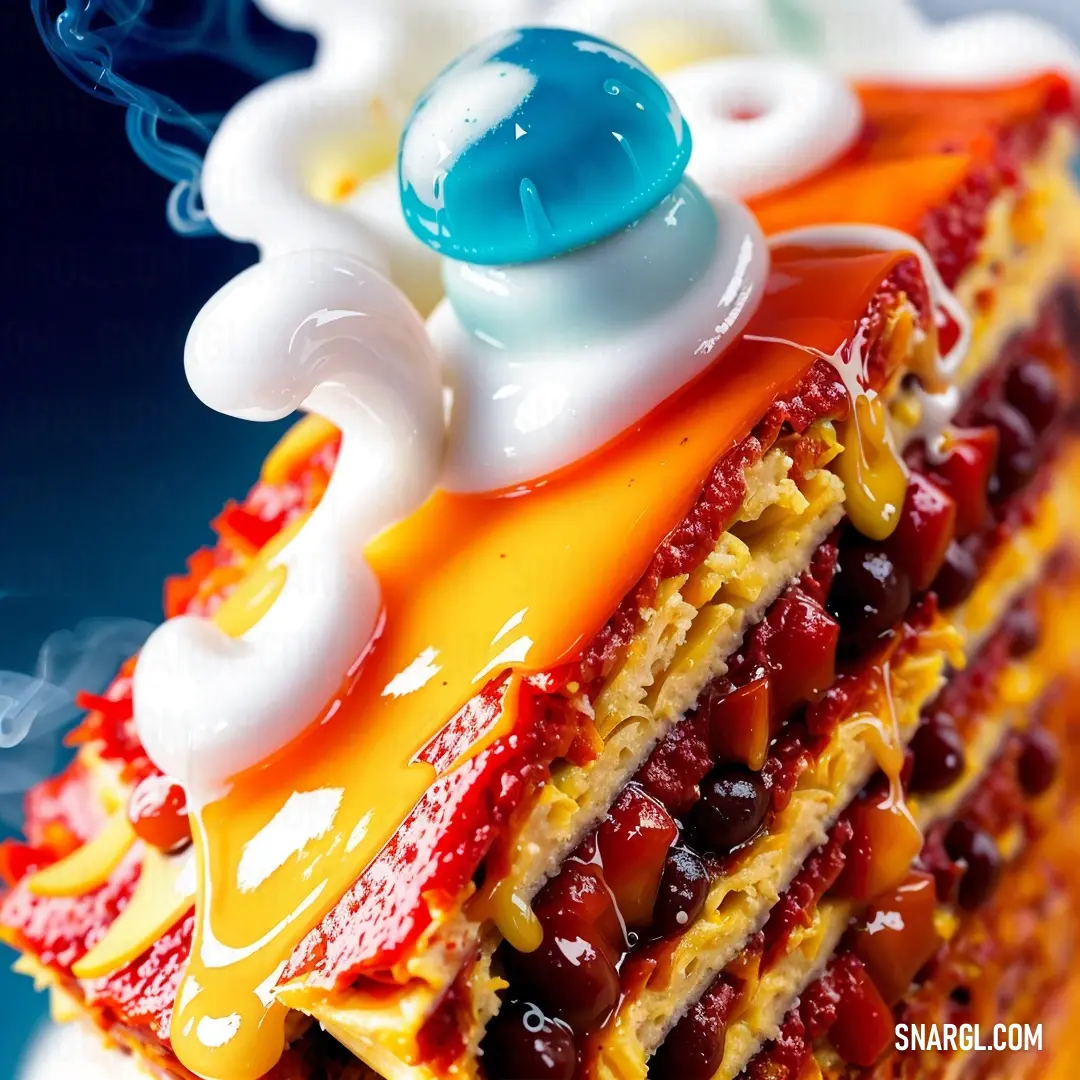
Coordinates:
(965,472)
(523,1044)
(733,804)
(980,859)
(694,1048)
(885,840)
(1032,389)
(573,973)
(158,813)
(863,1028)
(938,756)
(1037,764)
(1018,450)
(633,842)
(683,889)
(958,576)
(897,935)
(740,724)
(869,597)
(580,892)
(926,528)
(1022,626)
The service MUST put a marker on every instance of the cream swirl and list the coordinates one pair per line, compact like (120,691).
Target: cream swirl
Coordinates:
(323,332)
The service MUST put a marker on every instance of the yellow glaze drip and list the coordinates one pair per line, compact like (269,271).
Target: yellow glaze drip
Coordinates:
(89,866)
(875,479)
(256,592)
(883,741)
(473,586)
(512,914)
(250,600)
(159,900)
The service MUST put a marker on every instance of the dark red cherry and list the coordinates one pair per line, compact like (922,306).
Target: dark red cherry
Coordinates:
(1032,389)
(1037,764)
(1018,449)
(683,889)
(958,576)
(869,596)
(926,528)
(694,1048)
(965,472)
(523,1044)
(733,804)
(1022,626)
(573,973)
(980,860)
(938,756)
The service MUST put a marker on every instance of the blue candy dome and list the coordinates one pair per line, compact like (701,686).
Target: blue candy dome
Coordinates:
(536,142)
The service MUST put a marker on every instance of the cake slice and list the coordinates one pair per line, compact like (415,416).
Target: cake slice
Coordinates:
(649,689)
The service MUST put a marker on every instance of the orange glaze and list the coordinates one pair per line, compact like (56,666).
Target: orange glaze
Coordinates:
(473,586)
(917,148)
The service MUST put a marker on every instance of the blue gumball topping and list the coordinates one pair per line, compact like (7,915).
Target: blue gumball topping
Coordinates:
(536,142)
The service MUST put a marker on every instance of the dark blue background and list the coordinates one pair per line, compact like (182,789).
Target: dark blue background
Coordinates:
(109,466)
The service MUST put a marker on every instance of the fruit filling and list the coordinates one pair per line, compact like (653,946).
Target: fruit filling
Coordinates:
(899,940)
(720,777)
(901,891)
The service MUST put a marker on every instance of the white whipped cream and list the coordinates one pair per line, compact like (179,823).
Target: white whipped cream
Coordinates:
(890,41)
(372,60)
(324,332)
(658,31)
(582,365)
(64,1051)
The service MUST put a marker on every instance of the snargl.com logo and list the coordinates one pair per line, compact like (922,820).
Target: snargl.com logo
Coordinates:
(968,1037)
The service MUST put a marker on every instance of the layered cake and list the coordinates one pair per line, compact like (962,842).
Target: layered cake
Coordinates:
(656,663)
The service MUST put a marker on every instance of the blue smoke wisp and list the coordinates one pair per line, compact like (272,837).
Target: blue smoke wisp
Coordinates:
(36,710)
(101,44)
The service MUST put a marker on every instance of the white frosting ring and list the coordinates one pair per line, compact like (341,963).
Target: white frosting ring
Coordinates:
(763,122)
(322,331)
(890,41)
